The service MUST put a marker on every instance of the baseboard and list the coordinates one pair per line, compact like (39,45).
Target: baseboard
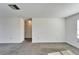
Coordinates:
(49,42)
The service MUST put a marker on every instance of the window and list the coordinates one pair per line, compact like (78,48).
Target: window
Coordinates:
(77,28)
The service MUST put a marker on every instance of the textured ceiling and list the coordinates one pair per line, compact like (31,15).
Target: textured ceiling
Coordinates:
(40,10)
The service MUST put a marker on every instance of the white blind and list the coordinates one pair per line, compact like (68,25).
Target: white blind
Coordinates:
(77,28)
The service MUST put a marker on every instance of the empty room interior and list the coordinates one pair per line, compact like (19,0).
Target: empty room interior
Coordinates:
(39,28)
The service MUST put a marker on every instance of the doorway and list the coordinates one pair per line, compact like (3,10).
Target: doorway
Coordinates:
(28,29)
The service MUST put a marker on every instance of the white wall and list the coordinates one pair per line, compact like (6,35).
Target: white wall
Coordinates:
(48,30)
(11,30)
(71,30)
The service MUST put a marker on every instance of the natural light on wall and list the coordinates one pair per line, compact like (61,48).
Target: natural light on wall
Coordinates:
(77,28)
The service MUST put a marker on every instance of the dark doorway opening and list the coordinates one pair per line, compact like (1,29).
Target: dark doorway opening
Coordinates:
(28,29)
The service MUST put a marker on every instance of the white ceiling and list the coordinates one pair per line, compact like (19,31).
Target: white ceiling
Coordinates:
(40,10)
